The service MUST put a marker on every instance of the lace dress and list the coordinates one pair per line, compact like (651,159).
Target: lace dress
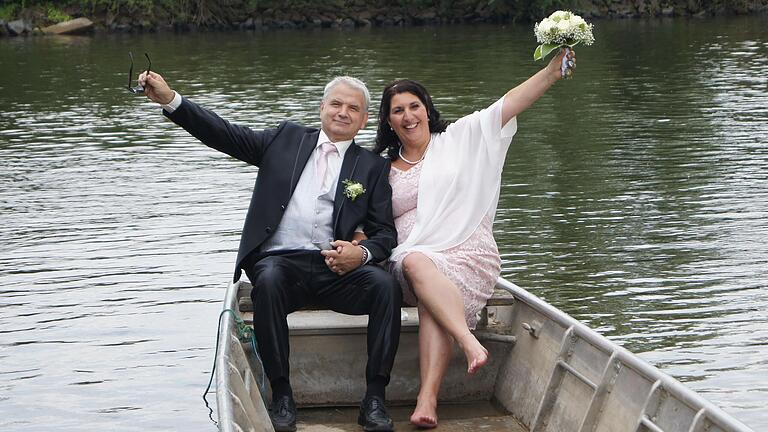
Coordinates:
(473,265)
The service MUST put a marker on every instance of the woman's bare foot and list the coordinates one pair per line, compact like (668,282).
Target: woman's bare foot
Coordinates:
(477,355)
(425,414)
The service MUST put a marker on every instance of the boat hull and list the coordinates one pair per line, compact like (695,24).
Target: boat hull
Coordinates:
(548,373)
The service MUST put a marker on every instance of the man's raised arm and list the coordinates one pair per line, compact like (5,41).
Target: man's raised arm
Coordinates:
(240,142)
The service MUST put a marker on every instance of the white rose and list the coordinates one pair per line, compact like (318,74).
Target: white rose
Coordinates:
(546,26)
(559,15)
(563,26)
(577,21)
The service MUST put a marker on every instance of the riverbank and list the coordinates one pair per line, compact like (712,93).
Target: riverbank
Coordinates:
(20,18)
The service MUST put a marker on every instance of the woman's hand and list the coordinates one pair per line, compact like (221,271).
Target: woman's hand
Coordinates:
(555,66)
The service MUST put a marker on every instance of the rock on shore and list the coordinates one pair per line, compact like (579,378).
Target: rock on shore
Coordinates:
(75,26)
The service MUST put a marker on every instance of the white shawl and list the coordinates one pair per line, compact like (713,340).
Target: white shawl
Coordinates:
(460,181)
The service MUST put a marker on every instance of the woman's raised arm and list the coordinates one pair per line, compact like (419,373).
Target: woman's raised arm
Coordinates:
(524,95)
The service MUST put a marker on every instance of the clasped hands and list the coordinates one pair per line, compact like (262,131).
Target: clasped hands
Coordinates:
(344,257)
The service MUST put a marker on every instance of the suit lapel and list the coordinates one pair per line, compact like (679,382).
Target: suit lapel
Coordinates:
(306,146)
(347,171)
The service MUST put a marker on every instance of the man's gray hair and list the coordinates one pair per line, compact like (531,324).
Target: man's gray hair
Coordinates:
(351,82)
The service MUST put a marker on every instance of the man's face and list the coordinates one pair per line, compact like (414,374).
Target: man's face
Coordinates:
(343,113)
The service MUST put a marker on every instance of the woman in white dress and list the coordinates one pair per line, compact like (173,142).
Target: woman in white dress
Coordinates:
(445,180)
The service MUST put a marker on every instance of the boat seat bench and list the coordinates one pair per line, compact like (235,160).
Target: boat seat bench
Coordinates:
(306,320)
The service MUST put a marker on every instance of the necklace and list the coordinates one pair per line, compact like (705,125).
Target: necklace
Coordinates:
(400,153)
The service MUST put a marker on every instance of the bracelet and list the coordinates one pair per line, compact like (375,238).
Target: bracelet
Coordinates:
(364,259)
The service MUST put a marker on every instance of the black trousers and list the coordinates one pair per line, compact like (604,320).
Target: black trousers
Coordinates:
(285,282)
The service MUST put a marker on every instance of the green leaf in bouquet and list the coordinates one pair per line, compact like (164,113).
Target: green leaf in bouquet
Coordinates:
(544,50)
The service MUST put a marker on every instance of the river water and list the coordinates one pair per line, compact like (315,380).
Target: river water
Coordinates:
(634,198)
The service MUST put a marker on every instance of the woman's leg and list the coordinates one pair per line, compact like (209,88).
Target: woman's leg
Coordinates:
(442,299)
(434,357)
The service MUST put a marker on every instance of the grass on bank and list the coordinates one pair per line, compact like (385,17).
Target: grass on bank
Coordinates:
(212,12)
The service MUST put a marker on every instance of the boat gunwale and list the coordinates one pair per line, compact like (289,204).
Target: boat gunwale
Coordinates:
(227,333)
(669,384)
(226,329)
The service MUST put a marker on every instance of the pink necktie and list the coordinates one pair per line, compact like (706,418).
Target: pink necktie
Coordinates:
(322,162)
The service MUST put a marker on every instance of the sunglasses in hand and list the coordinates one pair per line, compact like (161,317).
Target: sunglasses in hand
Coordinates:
(138,89)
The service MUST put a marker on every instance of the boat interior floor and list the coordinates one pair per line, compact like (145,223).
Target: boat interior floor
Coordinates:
(468,417)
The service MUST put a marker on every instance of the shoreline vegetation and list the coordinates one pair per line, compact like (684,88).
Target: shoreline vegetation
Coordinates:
(35,17)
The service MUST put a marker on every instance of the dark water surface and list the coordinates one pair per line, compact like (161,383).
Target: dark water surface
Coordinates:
(634,198)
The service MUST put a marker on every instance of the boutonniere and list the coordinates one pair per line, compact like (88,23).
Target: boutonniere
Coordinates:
(352,189)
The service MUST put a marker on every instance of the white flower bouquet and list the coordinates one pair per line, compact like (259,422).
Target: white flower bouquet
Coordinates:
(561,29)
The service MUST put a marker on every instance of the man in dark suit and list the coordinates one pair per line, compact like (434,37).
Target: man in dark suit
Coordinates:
(314,190)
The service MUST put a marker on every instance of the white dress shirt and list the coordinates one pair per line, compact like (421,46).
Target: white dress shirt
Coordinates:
(308,219)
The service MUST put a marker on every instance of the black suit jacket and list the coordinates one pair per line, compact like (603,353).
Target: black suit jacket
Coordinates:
(281,154)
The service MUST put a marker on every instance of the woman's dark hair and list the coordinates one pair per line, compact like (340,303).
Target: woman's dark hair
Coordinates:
(386,139)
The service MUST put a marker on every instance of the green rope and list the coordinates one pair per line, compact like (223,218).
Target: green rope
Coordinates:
(245,334)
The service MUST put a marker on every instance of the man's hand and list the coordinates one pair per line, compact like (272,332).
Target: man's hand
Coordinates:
(156,88)
(345,257)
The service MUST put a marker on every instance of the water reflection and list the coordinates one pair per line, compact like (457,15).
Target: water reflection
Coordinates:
(633,198)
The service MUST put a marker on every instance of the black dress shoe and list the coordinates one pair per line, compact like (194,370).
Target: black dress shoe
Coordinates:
(282,412)
(373,415)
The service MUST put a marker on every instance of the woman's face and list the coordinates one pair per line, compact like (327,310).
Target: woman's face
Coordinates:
(408,118)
